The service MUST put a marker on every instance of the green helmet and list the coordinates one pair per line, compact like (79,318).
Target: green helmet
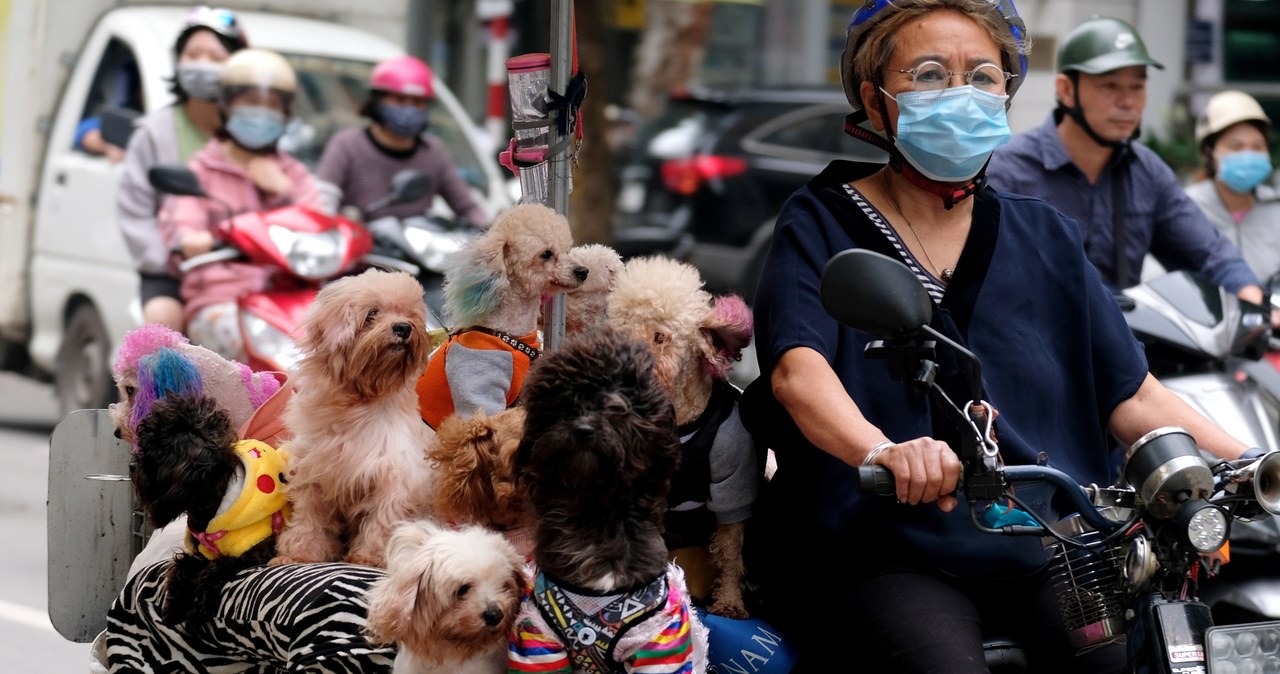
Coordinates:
(1102,44)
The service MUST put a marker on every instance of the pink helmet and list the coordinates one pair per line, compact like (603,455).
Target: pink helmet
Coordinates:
(402,75)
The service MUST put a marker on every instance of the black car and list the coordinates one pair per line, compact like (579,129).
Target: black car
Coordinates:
(707,178)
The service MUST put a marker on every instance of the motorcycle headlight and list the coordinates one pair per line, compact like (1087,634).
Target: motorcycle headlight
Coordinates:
(270,343)
(1243,648)
(1205,524)
(309,255)
(433,247)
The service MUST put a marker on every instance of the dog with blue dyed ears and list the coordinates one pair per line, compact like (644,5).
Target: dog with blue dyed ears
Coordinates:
(493,294)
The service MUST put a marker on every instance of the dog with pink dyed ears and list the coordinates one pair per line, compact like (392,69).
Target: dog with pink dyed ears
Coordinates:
(696,339)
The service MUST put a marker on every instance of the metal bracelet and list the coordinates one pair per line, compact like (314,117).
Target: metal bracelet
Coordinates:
(876,450)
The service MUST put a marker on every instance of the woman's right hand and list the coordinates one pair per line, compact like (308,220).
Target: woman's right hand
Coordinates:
(925,470)
(195,243)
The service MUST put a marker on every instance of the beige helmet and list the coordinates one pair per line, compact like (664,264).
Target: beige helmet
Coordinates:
(1225,109)
(258,68)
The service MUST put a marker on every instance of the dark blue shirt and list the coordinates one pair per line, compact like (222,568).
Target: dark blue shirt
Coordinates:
(1056,353)
(1160,218)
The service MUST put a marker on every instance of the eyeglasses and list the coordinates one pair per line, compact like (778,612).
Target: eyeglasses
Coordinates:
(932,76)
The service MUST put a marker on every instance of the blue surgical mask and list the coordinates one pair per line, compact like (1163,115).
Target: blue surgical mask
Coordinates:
(1243,171)
(402,120)
(255,126)
(948,135)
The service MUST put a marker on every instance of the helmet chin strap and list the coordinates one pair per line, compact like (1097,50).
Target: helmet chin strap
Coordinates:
(950,193)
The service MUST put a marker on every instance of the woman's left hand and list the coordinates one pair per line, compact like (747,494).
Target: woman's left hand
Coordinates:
(265,172)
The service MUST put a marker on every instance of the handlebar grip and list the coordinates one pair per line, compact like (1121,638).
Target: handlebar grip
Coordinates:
(876,480)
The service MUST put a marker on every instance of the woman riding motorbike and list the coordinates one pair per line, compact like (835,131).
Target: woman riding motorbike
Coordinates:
(241,170)
(1232,134)
(170,135)
(914,583)
(358,163)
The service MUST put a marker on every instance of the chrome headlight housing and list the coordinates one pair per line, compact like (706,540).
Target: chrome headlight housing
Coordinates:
(310,255)
(269,342)
(433,247)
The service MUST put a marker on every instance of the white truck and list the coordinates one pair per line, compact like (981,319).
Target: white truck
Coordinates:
(68,289)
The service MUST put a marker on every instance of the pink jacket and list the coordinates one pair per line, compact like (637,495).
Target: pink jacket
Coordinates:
(223,180)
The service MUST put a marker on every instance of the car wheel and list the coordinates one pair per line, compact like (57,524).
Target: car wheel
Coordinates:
(82,370)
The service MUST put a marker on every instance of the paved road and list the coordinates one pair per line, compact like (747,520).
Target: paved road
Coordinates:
(28,642)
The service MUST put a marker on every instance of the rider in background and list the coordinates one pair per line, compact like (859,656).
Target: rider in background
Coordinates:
(1083,161)
(172,135)
(912,585)
(1233,193)
(358,163)
(242,170)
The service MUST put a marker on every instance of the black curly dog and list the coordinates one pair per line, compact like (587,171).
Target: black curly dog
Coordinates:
(184,463)
(596,460)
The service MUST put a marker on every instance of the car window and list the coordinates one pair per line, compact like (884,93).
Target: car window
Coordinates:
(116,84)
(817,129)
(330,93)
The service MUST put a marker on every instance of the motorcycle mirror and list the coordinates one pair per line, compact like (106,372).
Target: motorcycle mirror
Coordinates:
(408,185)
(874,294)
(175,179)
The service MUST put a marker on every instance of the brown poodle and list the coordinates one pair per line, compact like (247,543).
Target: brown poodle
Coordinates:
(492,297)
(475,475)
(696,339)
(358,461)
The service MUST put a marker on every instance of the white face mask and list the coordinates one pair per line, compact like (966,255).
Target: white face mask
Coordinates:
(199,79)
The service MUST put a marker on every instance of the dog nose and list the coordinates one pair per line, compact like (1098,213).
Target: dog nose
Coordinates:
(491,616)
(402,330)
(117,434)
(580,273)
(583,431)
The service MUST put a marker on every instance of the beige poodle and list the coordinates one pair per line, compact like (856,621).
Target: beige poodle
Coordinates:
(358,463)
(696,340)
(493,295)
(585,307)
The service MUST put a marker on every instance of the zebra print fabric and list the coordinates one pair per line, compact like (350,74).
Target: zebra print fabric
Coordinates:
(294,618)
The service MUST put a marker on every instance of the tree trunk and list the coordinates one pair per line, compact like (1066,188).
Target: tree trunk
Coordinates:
(670,53)
(591,203)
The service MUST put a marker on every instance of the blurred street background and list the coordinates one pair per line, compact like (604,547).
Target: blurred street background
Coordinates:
(700,118)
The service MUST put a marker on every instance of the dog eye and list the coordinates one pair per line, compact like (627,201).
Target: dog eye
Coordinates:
(130,390)
(373,313)
(548,254)
(659,338)
(463,590)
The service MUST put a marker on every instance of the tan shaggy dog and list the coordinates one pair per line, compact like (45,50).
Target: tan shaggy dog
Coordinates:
(696,339)
(475,475)
(493,295)
(358,463)
(448,599)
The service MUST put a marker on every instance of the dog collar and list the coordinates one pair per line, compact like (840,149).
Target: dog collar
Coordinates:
(507,338)
(596,623)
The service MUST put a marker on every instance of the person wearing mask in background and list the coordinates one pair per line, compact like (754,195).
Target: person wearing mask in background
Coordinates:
(1232,135)
(912,585)
(358,163)
(1083,161)
(172,135)
(240,168)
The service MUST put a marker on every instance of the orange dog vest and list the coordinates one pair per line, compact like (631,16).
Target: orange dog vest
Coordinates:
(477,369)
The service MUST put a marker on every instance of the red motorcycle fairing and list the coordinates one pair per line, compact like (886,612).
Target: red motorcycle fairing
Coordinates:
(251,234)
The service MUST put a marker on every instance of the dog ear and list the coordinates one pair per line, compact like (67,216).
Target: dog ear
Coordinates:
(474,287)
(726,331)
(399,603)
(332,323)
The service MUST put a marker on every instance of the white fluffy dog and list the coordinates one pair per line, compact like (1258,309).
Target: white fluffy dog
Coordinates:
(357,460)
(448,599)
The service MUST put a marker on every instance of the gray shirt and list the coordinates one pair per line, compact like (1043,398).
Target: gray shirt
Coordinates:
(1257,235)
(154,141)
(1160,219)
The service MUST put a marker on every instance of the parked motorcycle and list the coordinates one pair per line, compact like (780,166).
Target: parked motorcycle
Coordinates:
(305,246)
(1127,559)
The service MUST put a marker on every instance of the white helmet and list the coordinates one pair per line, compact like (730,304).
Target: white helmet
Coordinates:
(259,68)
(1228,108)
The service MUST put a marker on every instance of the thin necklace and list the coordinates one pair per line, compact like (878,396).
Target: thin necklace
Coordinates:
(946,274)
